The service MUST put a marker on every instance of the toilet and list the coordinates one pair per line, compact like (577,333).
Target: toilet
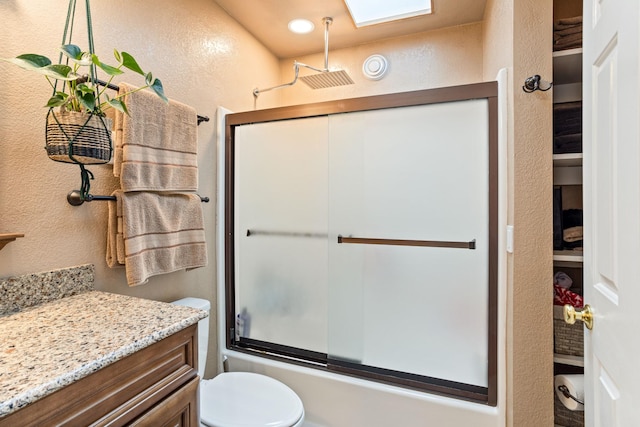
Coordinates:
(241,399)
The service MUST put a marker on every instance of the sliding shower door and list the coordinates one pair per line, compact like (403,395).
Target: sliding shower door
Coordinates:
(281,233)
(408,241)
(362,237)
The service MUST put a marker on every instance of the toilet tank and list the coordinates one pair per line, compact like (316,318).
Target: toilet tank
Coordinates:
(203,328)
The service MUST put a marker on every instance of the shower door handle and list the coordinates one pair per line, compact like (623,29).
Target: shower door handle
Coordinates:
(399,242)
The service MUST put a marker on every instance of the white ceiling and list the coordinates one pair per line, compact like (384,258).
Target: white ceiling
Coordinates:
(267,21)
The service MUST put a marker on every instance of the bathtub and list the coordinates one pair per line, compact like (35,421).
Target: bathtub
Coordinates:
(334,400)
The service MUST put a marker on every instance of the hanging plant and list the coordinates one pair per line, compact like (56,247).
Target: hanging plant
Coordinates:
(79,131)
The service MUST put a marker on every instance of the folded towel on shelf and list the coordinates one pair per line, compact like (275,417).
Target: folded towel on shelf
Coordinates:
(159,233)
(567,127)
(567,40)
(572,237)
(567,144)
(156,146)
(563,23)
(572,234)
(567,33)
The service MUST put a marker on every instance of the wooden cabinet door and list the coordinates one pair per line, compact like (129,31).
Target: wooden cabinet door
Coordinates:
(178,410)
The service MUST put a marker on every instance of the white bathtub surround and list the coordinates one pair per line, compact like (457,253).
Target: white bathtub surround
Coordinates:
(333,400)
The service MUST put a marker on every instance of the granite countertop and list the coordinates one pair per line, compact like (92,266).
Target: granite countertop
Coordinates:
(49,346)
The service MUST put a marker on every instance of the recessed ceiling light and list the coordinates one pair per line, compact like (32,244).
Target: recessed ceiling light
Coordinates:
(369,12)
(301,26)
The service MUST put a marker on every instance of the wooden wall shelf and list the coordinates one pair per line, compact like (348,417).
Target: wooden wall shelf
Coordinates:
(8,237)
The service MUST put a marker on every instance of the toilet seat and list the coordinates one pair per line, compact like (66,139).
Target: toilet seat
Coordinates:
(242,399)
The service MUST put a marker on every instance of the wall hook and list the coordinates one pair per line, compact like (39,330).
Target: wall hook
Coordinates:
(533,83)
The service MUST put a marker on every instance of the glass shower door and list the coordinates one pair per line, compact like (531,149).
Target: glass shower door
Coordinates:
(408,242)
(366,241)
(281,234)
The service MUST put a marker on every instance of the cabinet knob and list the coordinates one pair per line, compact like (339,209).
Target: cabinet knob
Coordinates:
(585,315)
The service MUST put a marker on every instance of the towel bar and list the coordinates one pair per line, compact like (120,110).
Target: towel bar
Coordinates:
(116,88)
(75,198)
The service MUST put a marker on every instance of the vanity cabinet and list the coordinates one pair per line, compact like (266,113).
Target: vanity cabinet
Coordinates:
(155,386)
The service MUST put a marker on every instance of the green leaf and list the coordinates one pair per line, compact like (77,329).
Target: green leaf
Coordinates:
(159,90)
(85,60)
(129,62)
(118,105)
(72,51)
(42,65)
(58,100)
(117,55)
(148,78)
(58,72)
(30,61)
(84,88)
(76,55)
(112,71)
(88,100)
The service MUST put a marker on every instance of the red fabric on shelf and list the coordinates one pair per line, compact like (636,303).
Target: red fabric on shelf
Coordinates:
(565,296)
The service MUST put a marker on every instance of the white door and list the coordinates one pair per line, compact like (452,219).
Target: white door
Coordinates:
(612,211)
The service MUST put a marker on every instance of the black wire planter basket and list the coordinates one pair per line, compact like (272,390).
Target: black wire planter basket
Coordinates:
(81,138)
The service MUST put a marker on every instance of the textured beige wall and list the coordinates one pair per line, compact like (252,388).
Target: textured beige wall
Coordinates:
(532,314)
(517,35)
(204,59)
(446,57)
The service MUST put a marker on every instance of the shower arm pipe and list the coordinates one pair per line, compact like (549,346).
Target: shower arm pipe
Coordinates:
(257,91)
(296,69)
(296,65)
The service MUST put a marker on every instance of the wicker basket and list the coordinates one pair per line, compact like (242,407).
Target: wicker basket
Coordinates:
(567,339)
(88,136)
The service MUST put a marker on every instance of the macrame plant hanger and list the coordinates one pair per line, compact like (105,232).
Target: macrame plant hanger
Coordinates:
(85,138)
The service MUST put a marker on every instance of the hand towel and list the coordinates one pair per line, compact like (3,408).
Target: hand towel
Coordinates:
(160,233)
(156,145)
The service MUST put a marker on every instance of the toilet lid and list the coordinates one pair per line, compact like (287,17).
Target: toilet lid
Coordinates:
(242,399)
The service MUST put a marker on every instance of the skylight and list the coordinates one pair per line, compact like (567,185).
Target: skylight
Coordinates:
(369,12)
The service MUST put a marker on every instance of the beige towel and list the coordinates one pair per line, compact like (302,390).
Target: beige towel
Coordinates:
(154,233)
(563,23)
(570,39)
(568,31)
(156,145)
(115,241)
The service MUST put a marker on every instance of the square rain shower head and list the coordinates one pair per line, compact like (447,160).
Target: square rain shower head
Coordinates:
(327,79)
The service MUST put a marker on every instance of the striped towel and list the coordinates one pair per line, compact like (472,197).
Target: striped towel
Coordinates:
(154,233)
(156,145)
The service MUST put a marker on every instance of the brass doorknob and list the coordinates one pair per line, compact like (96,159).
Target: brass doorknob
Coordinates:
(585,315)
